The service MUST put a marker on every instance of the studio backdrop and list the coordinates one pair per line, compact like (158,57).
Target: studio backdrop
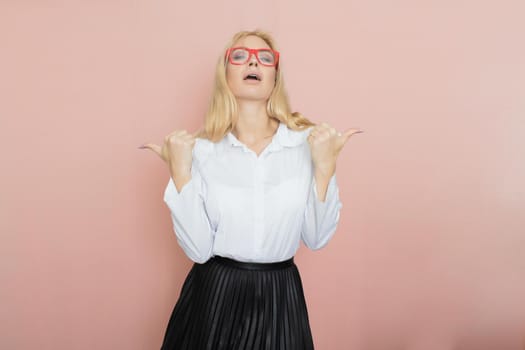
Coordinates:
(428,253)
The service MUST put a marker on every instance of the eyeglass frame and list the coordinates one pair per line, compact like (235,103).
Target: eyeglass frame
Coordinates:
(253,52)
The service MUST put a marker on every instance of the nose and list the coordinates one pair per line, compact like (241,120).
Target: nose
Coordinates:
(253,60)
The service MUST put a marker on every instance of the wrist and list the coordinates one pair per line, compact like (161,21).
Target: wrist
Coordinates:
(179,171)
(180,178)
(325,170)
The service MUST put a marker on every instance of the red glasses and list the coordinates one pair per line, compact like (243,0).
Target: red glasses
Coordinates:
(241,55)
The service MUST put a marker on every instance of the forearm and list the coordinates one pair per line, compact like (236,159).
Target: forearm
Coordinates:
(322,175)
(321,214)
(190,221)
(180,177)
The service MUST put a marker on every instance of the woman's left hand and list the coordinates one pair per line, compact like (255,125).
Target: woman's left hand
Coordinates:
(325,145)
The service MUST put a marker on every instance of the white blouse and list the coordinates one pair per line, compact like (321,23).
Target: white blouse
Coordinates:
(252,208)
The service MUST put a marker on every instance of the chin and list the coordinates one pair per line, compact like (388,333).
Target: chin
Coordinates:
(258,94)
(253,96)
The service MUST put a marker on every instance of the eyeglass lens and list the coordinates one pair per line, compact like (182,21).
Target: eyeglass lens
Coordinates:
(240,56)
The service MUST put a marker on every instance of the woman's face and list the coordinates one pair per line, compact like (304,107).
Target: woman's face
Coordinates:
(246,88)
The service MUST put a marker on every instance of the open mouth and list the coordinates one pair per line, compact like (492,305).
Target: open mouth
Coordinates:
(252,76)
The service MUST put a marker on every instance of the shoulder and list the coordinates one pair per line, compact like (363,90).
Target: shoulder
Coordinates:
(294,138)
(202,150)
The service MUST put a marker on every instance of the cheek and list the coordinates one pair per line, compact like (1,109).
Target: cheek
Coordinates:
(233,77)
(270,79)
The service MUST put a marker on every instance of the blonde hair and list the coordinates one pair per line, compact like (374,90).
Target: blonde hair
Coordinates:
(222,111)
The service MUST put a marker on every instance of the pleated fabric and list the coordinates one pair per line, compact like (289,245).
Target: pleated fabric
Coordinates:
(227,304)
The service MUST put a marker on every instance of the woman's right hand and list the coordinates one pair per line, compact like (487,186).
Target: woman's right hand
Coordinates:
(176,152)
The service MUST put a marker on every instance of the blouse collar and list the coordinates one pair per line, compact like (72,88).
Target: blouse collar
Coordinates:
(284,137)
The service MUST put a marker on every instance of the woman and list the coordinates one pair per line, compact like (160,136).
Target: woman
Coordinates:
(243,193)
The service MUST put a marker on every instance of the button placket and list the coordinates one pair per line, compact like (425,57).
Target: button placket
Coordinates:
(258,204)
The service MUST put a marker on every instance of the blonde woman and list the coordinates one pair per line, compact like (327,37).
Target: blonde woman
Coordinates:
(243,192)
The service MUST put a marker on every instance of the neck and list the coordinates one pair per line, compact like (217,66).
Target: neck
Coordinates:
(254,124)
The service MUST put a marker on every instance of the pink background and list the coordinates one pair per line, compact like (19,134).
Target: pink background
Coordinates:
(429,253)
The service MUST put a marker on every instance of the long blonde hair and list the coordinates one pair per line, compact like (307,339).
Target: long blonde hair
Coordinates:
(222,111)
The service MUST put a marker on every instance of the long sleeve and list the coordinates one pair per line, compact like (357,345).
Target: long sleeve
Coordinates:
(190,220)
(321,218)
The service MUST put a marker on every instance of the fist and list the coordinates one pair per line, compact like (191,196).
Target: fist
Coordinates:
(326,143)
(176,150)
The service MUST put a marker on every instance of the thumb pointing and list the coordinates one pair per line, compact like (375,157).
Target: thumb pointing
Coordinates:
(347,133)
(155,148)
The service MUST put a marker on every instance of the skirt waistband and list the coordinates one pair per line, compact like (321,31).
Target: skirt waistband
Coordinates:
(253,265)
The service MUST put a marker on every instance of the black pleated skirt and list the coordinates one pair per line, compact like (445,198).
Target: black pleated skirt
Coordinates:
(227,304)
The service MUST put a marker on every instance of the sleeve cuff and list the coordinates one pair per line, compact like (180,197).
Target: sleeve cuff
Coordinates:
(191,188)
